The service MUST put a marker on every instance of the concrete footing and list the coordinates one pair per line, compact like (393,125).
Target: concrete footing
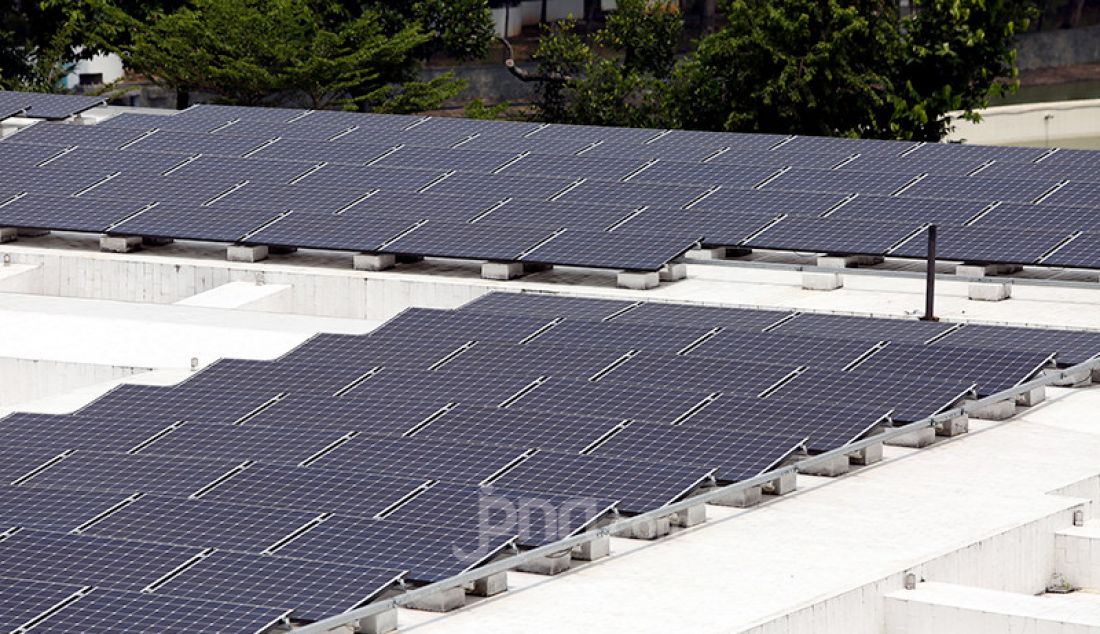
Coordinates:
(1032,397)
(822,281)
(1080,378)
(490,586)
(442,601)
(989,291)
(8,234)
(649,529)
(985,270)
(638,280)
(847,261)
(867,456)
(689,517)
(246,253)
(373,261)
(718,253)
(549,565)
(673,271)
(119,244)
(382,623)
(998,411)
(741,499)
(502,270)
(782,485)
(835,466)
(953,427)
(914,440)
(592,550)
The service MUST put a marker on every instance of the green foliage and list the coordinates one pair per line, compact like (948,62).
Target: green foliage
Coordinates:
(830,67)
(477,109)
(36,44)
(415,96)
(462,29)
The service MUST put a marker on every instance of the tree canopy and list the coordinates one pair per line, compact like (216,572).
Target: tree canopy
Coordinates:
(832,67)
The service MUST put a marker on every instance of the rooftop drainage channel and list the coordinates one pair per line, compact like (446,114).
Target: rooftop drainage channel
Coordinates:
(627,524)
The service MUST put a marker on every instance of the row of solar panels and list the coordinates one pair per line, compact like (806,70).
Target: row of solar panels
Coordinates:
(36,105)
(504,198)
(309,484)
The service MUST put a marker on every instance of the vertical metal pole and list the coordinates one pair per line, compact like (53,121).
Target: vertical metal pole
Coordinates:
(930,278)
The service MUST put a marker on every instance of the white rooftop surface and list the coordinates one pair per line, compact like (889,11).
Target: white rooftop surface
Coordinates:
(741,569)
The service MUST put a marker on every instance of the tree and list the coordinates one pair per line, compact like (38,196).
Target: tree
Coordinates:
(829,67)
(36,45)
(462,29)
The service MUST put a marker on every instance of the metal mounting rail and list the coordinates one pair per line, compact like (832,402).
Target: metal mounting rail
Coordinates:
(503,565)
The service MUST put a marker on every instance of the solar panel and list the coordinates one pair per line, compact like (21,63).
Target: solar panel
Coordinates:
(737,176)
(1041,217)
(507,427)
(1072,347)
(532,144)
(737,376)
(455,240)
(1049,170)
(1083,251)
(985,244)
(331,349)
(375,416)
(910,165)
(414,322)
(366,177)
(17,461)
(909,399)
(48,105)
(839,181)
(536,518)
(713,227)
(442,159)
(38,180)
(588,309)
(106,160)
(863,147)
(986,189)
(194,223)
(207,112)
(167,119)
(189,143)
(638,486)
(502,186)
(680,315)
(614,250)
(256,376)
(313,590)
(992,370)
(734,454)
(463,464)
(350,231)
(553,215)
(607,399)
(908,210)
(1075,194)
(52,510)
(26,156)
(979,152)
(301,150)
(684,153)
(22,601)
(201,523)
(777,159)
(636,194)
(62,432)
(256,170)
(428,553)
(866,329)
(832,236)
(112,612)
(148,188)
(275,445)
(85,560)
(171,404)
(550,360)
(594,168)
(623,336)
(357,492)
(91,471)
(790,350)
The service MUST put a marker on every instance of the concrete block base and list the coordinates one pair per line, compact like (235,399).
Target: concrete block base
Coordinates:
(1096,375)
(502,270)
(718,253)
(246,253)
(442,601)
(1032,397)
(490,586)
(373,261)
(847,261)
(546,565)
(689,517)
(673,271)
(835,466)
(383,623)
(822,281)
(997,411)
(914,440)
(985,270)
(954,427)
(649,529)
(741,499)
(119,244)
(156,242)
(989,291)
(638,280)
(591,551)
(8,234)
(33,233)
(867,456)
(782,485)
(1081,378)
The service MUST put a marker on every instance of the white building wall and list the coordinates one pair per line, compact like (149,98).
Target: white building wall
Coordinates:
(29,379)
(1038,124)
(110,66)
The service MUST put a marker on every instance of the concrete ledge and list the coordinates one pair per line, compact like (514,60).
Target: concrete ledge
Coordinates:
(689,517)
(638,280)
(649,529)
(784,484)
(989,291)
(822,281)
(442,601)
(954,427)
(867,456)
(490,586)
(1082,378)
(998,411)
(8,234)
(985,270)
(546,565)
(33,233)
(835,466)
(1032,397)
(119,244)
(592,550)
(673,271)
(373,261)
(943,608)
(1077,555)
(718,253)
(246,253)
(741,499)
(847,261)
(382,623)
(502,270)
(914,440)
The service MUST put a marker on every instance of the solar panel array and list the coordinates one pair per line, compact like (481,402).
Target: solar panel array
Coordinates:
(631,199)
(261,491)
(37,105)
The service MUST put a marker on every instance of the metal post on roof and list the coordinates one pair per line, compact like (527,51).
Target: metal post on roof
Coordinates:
(930,278)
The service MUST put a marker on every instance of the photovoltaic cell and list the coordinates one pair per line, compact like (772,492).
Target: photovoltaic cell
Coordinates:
(985,244)
(736,176)
(47,105)
(60,432)
(444,239)
(18,461)
(728,375)
(632,193)
(463,464)
(171,404)
(607,399)
(59,511)
(685,315)
(516,428)
(867,329)
(194,222)
(22,601)
(1083,251)
(1071,347)
(550,306)
(91,471)
(276,445)
(909,399)
(992,370)
(908,210)
(790,350)
(839,181)
(614,250)
(832,236)
(971,188)
(1040,217)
